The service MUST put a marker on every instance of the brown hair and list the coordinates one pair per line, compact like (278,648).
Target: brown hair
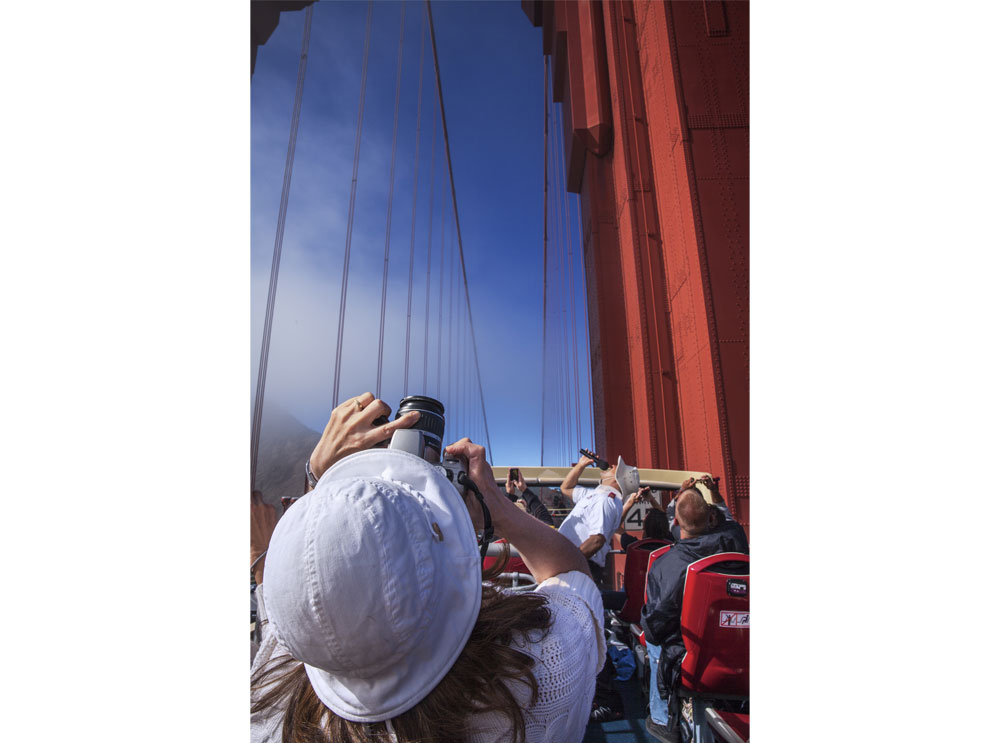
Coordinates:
(656,525)
(474,685)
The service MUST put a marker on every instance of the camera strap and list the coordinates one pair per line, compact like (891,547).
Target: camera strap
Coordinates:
(484,545)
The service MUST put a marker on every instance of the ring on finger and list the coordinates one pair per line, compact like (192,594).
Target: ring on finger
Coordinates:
(357,401)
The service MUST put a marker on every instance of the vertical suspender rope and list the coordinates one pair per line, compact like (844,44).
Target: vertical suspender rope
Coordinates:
(459,377)
(451,302)
(430,229)
(561,413)
(563,323)
(571,279)
(586,321)
(545,248)
(413,217)
(272,288)
(458,228)
(350,208)
(388,211)
(440,292)
(564,335)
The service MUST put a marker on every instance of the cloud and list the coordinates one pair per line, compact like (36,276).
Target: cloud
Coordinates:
(501,226)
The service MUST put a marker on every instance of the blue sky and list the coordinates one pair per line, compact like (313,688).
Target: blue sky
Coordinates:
(491,69)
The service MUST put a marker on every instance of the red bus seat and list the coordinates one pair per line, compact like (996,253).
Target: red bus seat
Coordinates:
(715,627)
(634,583)
(653,557)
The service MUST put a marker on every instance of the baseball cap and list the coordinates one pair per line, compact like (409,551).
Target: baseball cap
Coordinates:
(374,581)
(627,476)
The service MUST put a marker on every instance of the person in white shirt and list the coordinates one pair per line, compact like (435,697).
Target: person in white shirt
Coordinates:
(596,511)
(376,620)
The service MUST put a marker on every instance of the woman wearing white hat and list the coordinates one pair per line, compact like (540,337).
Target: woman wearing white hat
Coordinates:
(377,625)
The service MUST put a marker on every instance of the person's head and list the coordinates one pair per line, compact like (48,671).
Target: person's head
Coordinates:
(627,477)
(374,585)
(655,525)
(693,514)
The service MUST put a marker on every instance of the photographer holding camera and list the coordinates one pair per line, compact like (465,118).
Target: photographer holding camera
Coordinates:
(377,624)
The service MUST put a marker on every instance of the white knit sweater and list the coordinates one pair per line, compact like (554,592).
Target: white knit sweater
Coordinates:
(567,661)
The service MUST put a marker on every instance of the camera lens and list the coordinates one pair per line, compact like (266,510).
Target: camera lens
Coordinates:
(431,420)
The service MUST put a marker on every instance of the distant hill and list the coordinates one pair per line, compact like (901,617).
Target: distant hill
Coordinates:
(285,445)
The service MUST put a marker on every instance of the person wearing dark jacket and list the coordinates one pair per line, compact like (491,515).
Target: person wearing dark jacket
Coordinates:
(519,492)
(704,530)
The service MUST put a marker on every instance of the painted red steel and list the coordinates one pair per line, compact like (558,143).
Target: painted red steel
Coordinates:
(657,94)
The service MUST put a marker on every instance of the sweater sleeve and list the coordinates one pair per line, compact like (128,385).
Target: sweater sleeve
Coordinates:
(536,508)
(568,657)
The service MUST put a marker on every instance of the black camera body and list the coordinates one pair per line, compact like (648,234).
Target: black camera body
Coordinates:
(453,469)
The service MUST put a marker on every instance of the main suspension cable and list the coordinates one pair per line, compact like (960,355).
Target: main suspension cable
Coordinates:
(388,211)
(413,217)
(350,208)
(279,236)
(458,229)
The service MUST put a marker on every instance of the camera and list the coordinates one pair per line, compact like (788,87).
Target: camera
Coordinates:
(423,439)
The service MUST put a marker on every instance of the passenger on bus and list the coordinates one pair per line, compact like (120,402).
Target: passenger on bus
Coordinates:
(597,511)
(376,622)
(720,511)
(703,532)
(655,525)
(526,499)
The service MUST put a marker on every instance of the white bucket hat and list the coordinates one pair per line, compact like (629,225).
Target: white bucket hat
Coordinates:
(374,581)
(627,476)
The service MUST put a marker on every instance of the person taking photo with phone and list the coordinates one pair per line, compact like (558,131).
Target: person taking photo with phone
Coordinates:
(526,498)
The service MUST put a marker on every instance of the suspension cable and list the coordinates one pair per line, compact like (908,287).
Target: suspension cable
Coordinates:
(451,304)
(545,247)
(586,350)
(557,285)
(440,301)
(350,208)
(430,232)
(458,228)
(564,324)
(388,211)
(413,217)
(572,288)
(560,318)
(279,236)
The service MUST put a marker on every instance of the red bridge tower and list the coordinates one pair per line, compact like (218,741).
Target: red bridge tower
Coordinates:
(656,106)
